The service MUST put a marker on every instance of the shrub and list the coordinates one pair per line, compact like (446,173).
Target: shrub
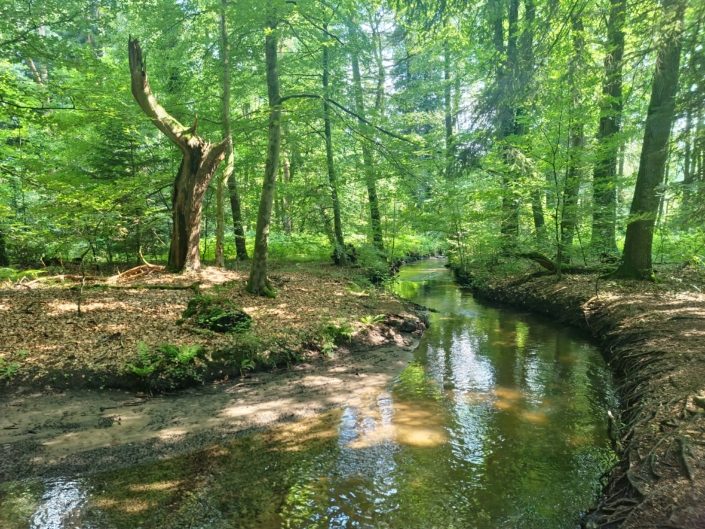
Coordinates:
(373,263)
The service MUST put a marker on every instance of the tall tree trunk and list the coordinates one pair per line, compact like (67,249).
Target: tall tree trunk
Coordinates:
(571,187)
(339,254)
(636,257)
(227,177)
(287,171)
(367,159)
(447,111)
(687,165)
(525,82)
(236,210)
(604,214)
(509,227)
(258,282)
(4,259)
(199,163)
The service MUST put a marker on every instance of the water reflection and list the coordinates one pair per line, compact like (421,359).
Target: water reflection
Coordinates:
(498,423)
(60,506)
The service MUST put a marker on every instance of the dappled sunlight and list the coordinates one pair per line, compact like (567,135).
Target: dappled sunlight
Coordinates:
(155,486)
(534,417)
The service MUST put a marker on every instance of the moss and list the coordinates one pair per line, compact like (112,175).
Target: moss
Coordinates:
(217,314)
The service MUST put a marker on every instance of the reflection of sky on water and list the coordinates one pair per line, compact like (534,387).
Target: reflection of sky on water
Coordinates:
(60,505)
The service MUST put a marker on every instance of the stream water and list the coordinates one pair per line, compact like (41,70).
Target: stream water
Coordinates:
(498,422)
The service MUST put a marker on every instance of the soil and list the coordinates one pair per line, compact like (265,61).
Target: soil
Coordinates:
(67,334)
(653,336)
(54,422)
(83,431)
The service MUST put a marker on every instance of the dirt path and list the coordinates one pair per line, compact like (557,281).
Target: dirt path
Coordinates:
(85,430)
(652,336)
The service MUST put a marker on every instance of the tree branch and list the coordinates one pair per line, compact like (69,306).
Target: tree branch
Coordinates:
(215,155)
(350,112)
(142,92)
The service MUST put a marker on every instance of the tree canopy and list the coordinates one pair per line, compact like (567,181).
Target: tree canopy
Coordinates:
(487,129)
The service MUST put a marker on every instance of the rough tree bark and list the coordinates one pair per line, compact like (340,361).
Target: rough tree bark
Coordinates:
(4,259)
(604,185)
(447,111)
(227,176)
(198,165)
(506,85)
(636,257)
(367,159)
(571,186)
(259,283)
(339,254)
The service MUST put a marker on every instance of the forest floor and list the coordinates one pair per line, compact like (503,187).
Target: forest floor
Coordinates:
(54,421)
(653,336)
(65,334)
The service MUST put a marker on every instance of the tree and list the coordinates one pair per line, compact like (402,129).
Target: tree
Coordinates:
(605,172)
(340,256)
(4,259)
(367,159)
(258,282)
(199,162)
(636,257)
(576,140)
(227,176)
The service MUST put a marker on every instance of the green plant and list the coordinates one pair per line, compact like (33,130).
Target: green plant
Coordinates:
(333,334)
(374,264)
(168,366)
(8,370)
(145,364)
(10,274)
(217,314)
(369,319)
(247,364)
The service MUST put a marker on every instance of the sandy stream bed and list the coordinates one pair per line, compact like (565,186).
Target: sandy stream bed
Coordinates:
(86,430)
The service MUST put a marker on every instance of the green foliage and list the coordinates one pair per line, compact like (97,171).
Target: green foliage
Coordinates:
(8,369)
(168,366)
(373,263)
(369,319)
(216,314)
(333,334)
(13,275)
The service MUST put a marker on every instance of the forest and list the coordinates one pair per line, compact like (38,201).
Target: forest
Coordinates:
(238,198)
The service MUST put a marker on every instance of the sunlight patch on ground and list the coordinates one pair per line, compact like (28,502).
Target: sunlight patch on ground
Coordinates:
(156,486)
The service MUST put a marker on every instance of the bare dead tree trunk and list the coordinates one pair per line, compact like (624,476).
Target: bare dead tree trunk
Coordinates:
(199,163)
(259,283)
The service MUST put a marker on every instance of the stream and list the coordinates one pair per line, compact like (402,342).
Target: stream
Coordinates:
(499,421)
